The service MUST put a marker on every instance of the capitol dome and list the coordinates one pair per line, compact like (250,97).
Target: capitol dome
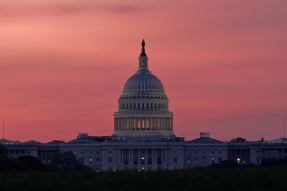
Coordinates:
(143,107)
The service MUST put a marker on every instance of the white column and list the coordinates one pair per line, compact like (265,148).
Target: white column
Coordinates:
(162,156)
(129,159)
(165,156)
(155,156)
(122,156)
(132,156)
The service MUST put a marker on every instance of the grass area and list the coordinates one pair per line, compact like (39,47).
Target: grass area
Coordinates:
(253,178)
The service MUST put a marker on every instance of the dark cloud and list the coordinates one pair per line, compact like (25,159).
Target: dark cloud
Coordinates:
(63,9)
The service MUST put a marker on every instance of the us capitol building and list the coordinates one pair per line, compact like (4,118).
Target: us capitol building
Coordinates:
(144,138)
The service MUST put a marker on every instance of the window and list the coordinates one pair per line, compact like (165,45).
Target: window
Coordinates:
(195,151)
(187,152)
(110,160)
(212,151)
(49,161)
(219,151)
(110,151)
(175,151)
(97,161)
(91,160)
(175,160)
(219,160)
(204,159)
(212,160)
(97,152)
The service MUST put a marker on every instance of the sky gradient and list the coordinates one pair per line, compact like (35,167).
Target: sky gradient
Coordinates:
(63,65)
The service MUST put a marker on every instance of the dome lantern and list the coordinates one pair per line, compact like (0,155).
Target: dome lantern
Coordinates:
(143,60)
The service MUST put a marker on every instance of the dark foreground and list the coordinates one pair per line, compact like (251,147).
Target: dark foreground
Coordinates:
(251,178)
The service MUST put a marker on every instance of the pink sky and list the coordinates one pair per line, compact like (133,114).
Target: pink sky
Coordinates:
(63,65)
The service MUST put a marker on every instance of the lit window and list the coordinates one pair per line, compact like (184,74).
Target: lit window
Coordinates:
(91,160)
(238,160)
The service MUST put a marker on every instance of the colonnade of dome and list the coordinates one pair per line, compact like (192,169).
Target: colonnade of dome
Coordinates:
(143,123)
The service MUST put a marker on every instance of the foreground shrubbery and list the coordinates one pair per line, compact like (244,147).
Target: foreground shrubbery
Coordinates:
(252,178)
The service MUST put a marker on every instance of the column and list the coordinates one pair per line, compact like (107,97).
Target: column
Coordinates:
(171,123)
(155,156)
(167,123)
(122,156)
(114,123)
(129,159)
(139,161)
(165,156)
(162,156)
(119,156)
(132,156)
(145,159)
(152,156)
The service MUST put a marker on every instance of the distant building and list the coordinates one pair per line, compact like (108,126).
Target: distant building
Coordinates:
(144,139)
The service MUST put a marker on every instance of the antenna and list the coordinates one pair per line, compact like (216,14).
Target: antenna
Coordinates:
(3,129)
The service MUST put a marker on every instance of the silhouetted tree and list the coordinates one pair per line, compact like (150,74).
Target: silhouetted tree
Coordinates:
(273,162)
(32,162)
(4,154)
(238,140)
(66,161)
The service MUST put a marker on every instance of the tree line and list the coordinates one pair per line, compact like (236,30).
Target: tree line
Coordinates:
(66,161)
